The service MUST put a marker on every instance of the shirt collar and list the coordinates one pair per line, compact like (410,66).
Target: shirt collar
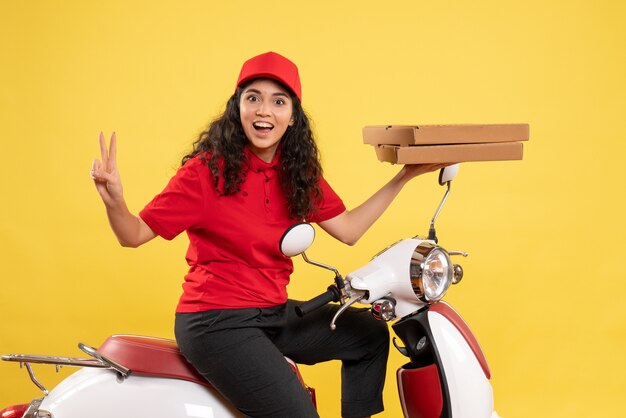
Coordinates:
(257,164)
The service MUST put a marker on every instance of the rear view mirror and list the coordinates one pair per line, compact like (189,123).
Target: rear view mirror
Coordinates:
(297,239)
(448,173)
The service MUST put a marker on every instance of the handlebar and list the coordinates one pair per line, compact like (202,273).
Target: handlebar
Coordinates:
(330,295)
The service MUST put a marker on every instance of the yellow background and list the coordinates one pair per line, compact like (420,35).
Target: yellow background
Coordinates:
(544,287)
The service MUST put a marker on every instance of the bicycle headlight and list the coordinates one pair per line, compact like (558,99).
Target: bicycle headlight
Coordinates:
(431,272)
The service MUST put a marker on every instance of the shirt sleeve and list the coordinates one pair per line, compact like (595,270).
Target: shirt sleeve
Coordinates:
(329,206)
(181,204)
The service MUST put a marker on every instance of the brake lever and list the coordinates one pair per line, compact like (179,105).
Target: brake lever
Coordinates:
(353,299)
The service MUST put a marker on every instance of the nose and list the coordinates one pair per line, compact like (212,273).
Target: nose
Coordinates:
(263,109)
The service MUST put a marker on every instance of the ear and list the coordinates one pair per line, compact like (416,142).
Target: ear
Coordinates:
(291,121)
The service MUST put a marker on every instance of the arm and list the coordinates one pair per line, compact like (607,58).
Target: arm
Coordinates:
(349,226)
(130,229)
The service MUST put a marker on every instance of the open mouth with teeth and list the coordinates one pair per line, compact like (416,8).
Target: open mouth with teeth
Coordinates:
(263,127)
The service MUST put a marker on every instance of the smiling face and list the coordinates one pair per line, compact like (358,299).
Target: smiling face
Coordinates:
(266,111)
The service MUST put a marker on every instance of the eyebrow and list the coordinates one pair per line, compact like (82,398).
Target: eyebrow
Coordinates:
(280,93)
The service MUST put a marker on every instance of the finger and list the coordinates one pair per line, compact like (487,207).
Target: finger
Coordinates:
(98,173)
(103,177)
(104,154)
(113,150)
(434,167)
(94,168)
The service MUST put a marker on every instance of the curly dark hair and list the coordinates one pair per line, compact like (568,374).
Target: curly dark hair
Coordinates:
(221,147)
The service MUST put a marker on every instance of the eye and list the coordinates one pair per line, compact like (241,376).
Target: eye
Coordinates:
(252,98)
(279,101)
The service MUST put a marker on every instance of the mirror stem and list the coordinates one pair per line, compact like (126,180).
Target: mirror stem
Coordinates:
(432,234)
(339,281)
(324,266)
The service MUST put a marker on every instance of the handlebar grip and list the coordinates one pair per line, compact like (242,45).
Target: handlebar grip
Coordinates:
(331,295)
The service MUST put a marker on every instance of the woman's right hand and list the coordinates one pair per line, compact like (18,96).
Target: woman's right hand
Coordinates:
(105,174)
(130,230)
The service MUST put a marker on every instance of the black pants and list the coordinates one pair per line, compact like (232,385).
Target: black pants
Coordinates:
(240,352)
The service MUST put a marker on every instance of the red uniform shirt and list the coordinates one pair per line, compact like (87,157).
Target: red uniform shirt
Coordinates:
(234,256)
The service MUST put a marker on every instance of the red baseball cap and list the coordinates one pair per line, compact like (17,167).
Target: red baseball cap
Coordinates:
(274,66)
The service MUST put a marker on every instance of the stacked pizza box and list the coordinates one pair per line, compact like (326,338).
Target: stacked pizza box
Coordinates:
(414,144)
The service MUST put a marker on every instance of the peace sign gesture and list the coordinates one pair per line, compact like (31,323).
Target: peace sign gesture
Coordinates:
(105,175)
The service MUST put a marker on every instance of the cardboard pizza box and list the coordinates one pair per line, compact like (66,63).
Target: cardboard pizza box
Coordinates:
(457,153)
(405,135)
